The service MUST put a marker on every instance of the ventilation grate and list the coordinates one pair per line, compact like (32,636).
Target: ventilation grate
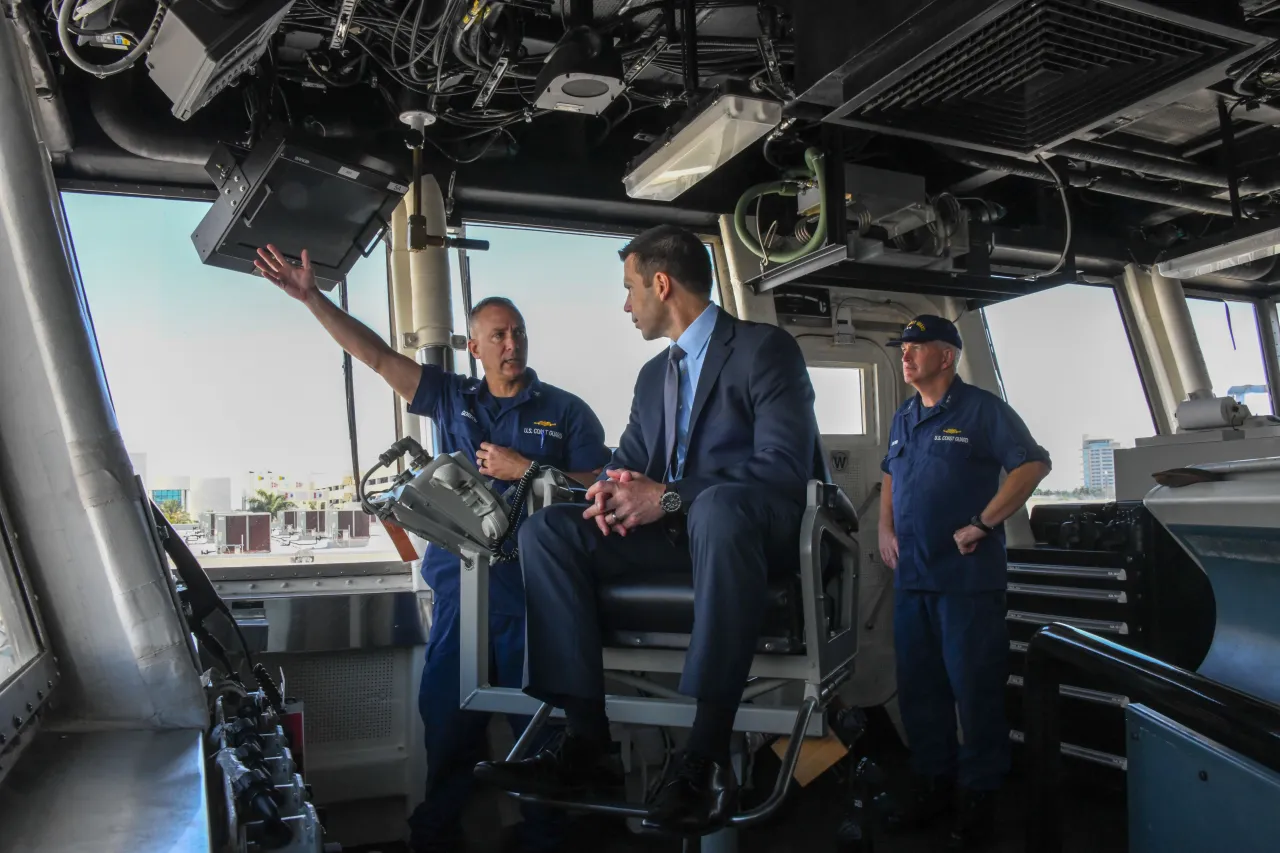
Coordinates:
(1042,72)
(346,697)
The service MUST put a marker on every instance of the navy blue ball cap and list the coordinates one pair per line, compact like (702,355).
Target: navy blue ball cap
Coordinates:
(928,327)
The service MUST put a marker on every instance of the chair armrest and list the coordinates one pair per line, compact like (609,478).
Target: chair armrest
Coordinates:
(832,499)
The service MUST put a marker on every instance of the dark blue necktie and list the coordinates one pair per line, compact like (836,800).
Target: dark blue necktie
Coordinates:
(671,404)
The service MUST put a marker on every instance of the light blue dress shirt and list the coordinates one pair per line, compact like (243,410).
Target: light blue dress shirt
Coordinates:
(694,342)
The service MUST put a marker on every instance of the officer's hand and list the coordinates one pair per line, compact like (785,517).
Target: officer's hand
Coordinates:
(501,463)
(968,537)
(889,547)
(298,282)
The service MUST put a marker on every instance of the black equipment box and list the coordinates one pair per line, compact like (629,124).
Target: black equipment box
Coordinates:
(295,198)
(803,306)
(204,46)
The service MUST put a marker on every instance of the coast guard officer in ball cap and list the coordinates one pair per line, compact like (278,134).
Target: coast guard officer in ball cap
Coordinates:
(942,509)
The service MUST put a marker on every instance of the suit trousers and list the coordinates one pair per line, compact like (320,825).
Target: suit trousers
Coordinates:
(736,536)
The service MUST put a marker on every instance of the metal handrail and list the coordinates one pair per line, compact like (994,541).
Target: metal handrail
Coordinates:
(781,786)
(1240,722)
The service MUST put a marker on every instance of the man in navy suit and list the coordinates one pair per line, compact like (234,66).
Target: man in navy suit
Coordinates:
(709,476)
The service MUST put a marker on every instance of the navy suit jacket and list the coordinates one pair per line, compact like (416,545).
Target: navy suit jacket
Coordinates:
(752,421)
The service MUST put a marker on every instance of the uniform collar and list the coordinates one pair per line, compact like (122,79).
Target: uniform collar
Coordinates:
(533,390)
(955,393)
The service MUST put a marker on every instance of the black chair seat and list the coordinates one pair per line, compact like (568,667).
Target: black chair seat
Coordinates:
(656,611)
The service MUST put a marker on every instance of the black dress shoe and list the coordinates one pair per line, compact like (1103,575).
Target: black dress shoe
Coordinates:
(930,799)
(975,825)
(699,797)
(568,768)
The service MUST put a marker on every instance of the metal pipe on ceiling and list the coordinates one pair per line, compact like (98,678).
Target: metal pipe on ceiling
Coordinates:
(125,123)
(1105,155)
(1098,183)
(1118,158)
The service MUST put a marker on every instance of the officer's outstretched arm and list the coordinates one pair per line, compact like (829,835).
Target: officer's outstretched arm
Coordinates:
(399,371)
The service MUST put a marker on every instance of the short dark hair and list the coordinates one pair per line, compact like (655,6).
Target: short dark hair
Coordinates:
(490,302)
(673,250)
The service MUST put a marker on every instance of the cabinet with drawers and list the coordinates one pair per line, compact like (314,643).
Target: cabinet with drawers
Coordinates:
(1112,570)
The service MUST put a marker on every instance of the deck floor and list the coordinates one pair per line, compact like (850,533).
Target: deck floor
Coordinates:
(1094,821)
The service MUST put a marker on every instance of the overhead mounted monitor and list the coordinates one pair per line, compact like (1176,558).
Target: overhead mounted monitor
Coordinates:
(295,198)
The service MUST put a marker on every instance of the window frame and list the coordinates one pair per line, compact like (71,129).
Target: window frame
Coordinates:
(1267,324)
(868,399)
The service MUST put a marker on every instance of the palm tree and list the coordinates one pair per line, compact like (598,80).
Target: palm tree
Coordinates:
(264,501)
(175,513)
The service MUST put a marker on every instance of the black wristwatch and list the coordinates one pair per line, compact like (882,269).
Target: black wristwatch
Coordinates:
(977,522)
(670,500)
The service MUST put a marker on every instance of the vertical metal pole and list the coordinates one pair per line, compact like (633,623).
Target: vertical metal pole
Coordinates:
(102,590)
(1229,153)
(473,625)
(397,406)
(690,48)
(348,381)
(1269,335)
(464,277)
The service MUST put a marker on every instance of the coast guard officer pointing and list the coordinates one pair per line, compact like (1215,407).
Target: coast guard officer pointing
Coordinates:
(506,421)
(942,509)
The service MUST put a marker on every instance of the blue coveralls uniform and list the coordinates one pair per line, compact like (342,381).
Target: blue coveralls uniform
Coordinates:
(950,634)
(546,425)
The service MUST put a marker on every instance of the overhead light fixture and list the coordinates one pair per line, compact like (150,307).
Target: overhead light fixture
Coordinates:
(1250,242)
(582,74)
(693,149)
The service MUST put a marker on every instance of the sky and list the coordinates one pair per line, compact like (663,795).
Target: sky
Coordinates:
(215,373)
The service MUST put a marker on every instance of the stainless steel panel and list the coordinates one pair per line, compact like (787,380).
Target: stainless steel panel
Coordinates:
(107,791)
(330,623)
(1115,596)
(1231,528)
(1068,571)
(80,521)
(1188,792)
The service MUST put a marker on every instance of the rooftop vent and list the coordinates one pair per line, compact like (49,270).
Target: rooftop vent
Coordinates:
(1021,77)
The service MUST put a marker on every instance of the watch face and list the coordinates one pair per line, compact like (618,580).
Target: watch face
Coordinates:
(670,502)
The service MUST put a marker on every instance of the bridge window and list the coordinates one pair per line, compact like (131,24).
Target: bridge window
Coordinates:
(569,288)
(1228,335)
(220,380)
(1068,370)
(838,400)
